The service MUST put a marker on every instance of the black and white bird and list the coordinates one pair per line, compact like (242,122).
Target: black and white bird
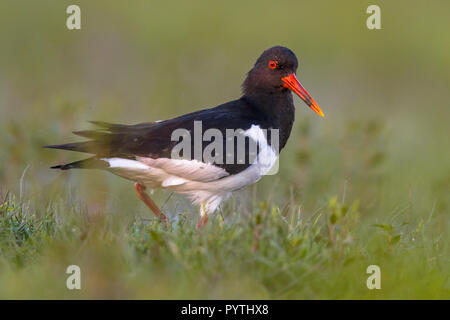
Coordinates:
(144,153)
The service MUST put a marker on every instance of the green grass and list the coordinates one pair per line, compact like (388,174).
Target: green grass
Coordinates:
(269,252)
(369,184)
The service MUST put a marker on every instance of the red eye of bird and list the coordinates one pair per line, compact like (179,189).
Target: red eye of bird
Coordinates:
(272,64)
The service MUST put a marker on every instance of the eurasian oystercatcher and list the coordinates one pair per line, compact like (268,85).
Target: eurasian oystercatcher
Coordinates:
(144,153)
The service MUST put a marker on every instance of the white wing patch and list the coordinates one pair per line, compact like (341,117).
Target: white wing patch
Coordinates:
(125,163)
(267,156)
(173,181)
(164,172)
(192,170)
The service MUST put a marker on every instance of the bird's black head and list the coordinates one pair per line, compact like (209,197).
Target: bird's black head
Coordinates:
(274,73)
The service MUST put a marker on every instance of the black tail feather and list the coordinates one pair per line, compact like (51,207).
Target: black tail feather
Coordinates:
(86,146)
(90,163)
(114,127)
(110,140)
(92,134)
(109,126)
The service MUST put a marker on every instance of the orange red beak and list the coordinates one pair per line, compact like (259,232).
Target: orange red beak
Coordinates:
(293,84)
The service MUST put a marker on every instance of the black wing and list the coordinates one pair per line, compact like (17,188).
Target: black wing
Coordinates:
(154,139)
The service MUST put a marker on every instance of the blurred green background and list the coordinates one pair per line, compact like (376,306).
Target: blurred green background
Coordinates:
(383,146)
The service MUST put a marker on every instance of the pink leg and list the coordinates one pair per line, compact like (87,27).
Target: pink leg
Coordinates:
(203,221)
(140,189)
(203,216)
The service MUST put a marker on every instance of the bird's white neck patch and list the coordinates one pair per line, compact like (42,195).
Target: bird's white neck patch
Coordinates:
(267,158)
